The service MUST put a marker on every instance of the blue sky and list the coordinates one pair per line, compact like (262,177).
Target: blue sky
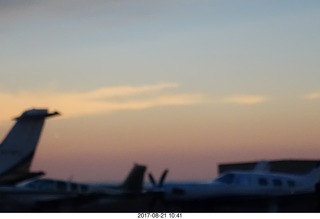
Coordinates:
(199,43)
(233,68)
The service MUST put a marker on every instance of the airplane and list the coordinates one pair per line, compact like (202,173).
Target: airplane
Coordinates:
(18,147)
(132,184)
(58,195)
(256,183)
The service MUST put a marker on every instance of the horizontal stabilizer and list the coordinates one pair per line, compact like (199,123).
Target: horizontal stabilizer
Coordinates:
(36,113)
(20,177)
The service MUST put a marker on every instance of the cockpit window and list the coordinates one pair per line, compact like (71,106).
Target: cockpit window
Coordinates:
(33,185)
(242,180)
(42,185)
(227,179)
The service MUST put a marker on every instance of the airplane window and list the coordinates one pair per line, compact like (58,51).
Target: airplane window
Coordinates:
(227,179)
(277,182)
(84,188)
(46,185)
(74,187)
(242,180)
(35,184)
(61,186)
(262,181)
(291,183)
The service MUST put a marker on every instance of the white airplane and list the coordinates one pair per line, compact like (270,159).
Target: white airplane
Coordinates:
(18,147)
(259,182)
(59,195)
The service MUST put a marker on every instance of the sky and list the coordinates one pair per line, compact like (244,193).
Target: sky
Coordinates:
(179,84)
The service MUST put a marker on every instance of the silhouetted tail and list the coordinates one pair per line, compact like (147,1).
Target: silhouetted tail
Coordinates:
(313,176)
(134,181)
(262,166)
(18,147)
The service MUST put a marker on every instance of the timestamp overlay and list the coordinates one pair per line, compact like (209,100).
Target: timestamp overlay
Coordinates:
(165,215)
(159,215)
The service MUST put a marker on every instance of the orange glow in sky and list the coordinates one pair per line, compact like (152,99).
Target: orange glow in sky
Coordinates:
(183,85)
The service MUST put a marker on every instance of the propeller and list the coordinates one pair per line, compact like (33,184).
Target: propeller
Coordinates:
(162,178)
(157,194)
(152,180)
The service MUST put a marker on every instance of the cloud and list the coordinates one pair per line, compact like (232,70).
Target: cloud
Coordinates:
(244,99)
(98,101)
(113,13)
(128,90)
(313,96)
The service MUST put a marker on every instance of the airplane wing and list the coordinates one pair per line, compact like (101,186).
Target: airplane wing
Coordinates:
(17,177)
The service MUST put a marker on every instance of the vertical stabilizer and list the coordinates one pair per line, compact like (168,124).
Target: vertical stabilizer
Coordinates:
(262,166)
(134,181)
(312,177)
(18,147)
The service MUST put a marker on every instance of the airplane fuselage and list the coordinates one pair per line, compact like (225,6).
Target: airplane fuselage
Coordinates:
(239,184)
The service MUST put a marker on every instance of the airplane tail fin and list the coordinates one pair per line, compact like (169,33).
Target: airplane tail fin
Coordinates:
(313,176)
(262,166)
(18,147)
(134,180)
